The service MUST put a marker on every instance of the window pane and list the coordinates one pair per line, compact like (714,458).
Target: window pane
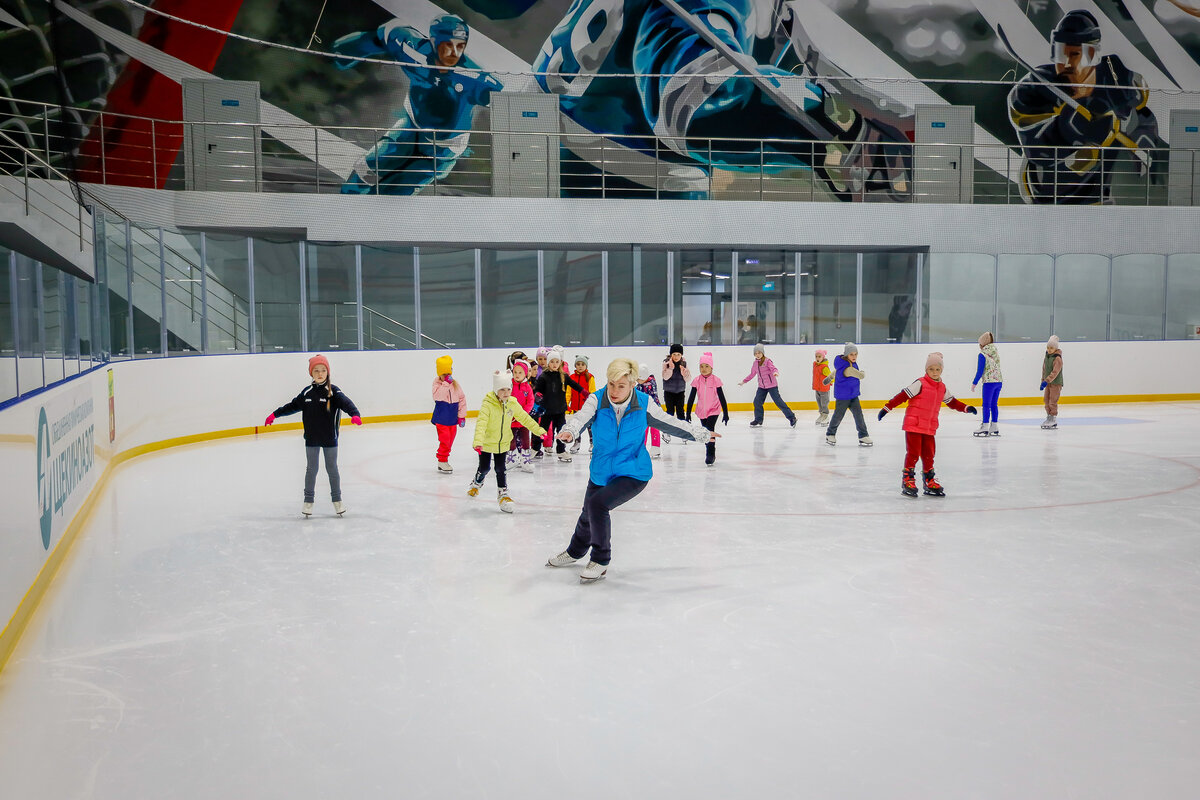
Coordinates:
(706,294)
(84,323)
(277,294)
(1024,298)
(1183,296)
(29,332)
(889,297)
(1081,297)
(389,313)
(766,296)
(117,288)
(53,323)
(1137,286)
(8,347)
(332,297)
(959,290)
(510,299)
(181,256)
(448,298)
(831,286)
(147,293)
(637,297)
(574,304)
(228,293)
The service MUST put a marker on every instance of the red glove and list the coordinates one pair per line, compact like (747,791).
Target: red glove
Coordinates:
(357,420)
(270,419)
(479,450)
(462,423)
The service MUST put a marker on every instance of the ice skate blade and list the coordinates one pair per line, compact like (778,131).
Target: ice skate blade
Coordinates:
(983,434)
(935,493)
(583,580)
(909,492)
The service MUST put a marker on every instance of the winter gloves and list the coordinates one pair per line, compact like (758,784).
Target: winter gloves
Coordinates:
(462,423)
(357,420)
(883,412)
(270,419)
(1042,388)
(855,372)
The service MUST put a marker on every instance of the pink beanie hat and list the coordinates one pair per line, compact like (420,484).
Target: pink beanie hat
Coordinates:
(706,358)
(821,355)
(934,358)
(318,359)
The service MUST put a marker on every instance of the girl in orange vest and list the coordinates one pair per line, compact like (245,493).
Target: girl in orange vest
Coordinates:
(925,397)
(822,381)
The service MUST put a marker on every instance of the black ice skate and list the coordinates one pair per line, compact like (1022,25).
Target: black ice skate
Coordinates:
(932,487)
(908,483)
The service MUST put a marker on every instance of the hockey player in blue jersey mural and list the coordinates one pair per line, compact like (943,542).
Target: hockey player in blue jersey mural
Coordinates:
(440,96)
(1065,110)
(666,79)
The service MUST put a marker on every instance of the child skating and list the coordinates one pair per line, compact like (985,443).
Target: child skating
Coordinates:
(675,377)
(449,411)
(925,397)
(822,382)
(764,370)
(520,452)
(576,398)
(498,412)
(550,392)
(320,405)
(709,398)
(1052,382)
(988,368)
(649,386)
(846,391)
(620,469)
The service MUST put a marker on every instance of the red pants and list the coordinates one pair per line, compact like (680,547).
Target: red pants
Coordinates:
(445,440)
(919,445)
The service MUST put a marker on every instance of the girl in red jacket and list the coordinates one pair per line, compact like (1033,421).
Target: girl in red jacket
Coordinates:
(925,397)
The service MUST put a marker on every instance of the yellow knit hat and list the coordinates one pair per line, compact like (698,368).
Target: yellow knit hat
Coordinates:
(445,365)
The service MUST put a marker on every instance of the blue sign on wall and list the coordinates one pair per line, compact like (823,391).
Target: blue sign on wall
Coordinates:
(231,102)
(769,286)
(529,113)
(1191,129)
(937,124)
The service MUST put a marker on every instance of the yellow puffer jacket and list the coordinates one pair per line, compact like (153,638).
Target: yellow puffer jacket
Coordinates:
(493,426)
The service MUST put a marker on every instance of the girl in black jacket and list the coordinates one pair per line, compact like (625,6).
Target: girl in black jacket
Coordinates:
(550,392)
(320,405)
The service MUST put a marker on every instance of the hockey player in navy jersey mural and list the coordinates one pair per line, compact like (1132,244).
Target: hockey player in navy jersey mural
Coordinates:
(643,72)
(1061,137)
(439,97)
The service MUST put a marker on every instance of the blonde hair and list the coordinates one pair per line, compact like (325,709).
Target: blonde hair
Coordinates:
(622,368)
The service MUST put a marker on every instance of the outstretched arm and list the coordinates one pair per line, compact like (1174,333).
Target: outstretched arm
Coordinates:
(979,369)
(724,405)
(691,400)
(672,426)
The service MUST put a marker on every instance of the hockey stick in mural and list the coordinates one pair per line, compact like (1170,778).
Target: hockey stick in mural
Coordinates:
(1071,102)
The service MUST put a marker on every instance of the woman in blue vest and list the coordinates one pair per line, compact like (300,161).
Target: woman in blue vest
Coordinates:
(620,467)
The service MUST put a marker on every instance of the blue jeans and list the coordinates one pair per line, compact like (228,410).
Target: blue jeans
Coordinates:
(991,396)
(761,395)
(842,406)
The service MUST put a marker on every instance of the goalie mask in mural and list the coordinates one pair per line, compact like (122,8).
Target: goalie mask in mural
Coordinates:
(441,96)
(672,82)
(1073,154)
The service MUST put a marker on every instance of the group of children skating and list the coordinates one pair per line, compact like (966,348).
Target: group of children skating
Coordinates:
(528,407)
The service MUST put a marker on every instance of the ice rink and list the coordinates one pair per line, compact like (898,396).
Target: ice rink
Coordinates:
(784,624)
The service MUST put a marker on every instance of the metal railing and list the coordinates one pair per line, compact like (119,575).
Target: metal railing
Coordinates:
(139,151)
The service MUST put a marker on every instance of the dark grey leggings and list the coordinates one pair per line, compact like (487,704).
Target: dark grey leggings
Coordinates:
(310,474)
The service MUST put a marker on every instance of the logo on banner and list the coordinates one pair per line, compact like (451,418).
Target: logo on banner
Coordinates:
(45,501)
(66,452)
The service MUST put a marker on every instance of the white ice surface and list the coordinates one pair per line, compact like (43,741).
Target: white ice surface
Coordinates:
(783,625)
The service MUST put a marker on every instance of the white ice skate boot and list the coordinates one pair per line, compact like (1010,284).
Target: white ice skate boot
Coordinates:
(575,446)
(474,488)
(563,559)
(526,462)
(506,502)
(983,430)
(306,509)
(993,430)
(339,507)
(564,457)
(590,443)
(865,442)
(666,439)
(593,572)
(823,419)
(445,468)
(655,452)
(1050,424)
(831,440)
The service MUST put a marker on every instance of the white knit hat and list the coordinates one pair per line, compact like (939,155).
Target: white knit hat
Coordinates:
(1052,343)
(501,380)
(556,352)
(934,358)
(643,373)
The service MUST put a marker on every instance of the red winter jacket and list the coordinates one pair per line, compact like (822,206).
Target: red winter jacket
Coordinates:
(925,397)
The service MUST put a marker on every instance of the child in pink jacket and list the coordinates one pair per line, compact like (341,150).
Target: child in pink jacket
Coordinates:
(768,384)
(449,411)
(520,455)
(709,398)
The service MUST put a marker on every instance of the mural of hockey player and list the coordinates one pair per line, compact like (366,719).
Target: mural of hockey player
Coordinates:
(439,97)
(1062,163)
(641,72)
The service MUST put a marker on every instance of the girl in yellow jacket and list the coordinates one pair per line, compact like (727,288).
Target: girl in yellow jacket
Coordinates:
(494,432)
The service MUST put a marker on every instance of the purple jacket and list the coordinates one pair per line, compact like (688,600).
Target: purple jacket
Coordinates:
(765,372)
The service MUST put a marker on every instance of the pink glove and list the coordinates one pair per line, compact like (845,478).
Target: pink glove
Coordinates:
(449,379)
(479,450)
(462,423)
(357,420)
(270,419)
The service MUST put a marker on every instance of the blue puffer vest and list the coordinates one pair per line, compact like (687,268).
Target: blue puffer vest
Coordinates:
(620,448)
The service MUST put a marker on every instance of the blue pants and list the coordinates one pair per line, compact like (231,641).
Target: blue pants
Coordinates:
(761,395)
(991,409)
(594,528)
